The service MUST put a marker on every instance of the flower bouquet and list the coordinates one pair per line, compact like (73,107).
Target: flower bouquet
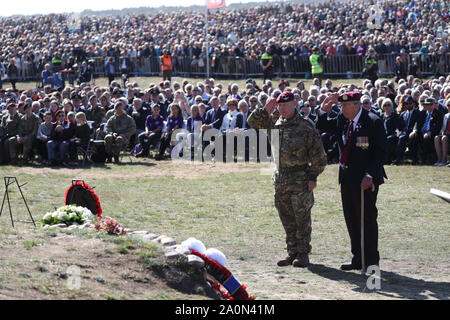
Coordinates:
(110,226)
(68,215)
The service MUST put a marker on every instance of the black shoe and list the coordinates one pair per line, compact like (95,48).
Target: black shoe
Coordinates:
(142,155)
(350,266)
(116,159)
(158,157)
(286,261)
(109,160)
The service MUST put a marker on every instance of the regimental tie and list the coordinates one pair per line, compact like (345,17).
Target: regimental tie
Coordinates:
(343,159)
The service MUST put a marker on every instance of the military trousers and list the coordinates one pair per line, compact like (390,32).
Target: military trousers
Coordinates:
(294,203)
(10,149)
(113,146)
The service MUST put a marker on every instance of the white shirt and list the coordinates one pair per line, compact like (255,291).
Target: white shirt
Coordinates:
(229,121)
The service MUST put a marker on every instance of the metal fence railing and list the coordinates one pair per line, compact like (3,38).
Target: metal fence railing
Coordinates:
(344,66)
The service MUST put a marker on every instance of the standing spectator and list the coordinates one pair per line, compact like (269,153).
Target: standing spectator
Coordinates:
(166,65)
(316,61)
(266,64)
(441,140)
(13,73)
(110,69)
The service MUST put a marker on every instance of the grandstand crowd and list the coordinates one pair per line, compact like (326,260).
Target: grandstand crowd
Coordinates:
(54,124)
(399,28)
(50,127)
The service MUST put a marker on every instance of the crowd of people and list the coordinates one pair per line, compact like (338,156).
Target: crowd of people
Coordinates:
(50,126)
(397,28)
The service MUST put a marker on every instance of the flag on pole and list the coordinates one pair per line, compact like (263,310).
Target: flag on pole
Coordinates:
(214,4)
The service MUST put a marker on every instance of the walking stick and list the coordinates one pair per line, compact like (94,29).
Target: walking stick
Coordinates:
(363,262)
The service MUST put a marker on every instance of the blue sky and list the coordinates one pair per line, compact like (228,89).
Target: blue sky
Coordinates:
(45,6)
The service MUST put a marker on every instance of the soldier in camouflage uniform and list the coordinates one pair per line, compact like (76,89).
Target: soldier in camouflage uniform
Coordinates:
(301,159)
(10,126)
(28,127)
(119,129)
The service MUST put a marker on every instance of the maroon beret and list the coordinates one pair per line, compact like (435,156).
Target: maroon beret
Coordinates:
(58,112)
(350,96)
(11,105)
(286,96)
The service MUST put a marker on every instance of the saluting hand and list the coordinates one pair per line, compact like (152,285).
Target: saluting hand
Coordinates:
(329,101)
(271,105)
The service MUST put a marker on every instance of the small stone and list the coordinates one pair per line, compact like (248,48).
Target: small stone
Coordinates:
(183,250)
(148,237)
(168,241)
(129,231)
(139,232)
(172,255)
(61,225)
(72,227)
(159,239)
(195,261)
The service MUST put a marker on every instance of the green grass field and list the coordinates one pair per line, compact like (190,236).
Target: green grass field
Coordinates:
(231,207)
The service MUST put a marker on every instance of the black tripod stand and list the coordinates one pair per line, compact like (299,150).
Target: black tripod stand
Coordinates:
(9,180)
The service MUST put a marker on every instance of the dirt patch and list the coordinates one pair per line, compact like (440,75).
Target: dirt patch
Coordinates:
(38,265)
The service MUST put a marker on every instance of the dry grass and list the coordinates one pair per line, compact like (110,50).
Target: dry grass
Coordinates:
(230,207)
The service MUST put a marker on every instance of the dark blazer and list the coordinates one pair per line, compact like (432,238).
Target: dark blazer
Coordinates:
(363,160)
(214,118)
(393,123)
(435,122)
(409,127)
(240,120)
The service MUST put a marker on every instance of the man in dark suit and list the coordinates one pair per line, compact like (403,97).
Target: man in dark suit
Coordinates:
(409,118)
(362,152)
(428,126)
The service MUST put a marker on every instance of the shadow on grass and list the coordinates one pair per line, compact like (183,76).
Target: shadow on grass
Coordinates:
(393,285)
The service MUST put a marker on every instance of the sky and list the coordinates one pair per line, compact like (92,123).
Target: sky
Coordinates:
(29,7)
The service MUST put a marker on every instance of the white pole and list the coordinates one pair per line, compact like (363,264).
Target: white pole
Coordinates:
(207,40)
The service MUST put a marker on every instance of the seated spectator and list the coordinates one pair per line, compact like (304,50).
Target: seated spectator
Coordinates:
(153,130)
(428,126)
(409,116)
(81,137)
(94,112)
(10,128)
(60,136)
(28,127)
(139,113)
(441,140)
(393,126)
(43,136)
(174,122)
(119,129)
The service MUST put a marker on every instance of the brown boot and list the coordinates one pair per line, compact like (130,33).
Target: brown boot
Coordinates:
(301,261)
(286,261)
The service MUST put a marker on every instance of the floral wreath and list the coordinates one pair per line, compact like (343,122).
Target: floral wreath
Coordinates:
(86,188)
(234,289)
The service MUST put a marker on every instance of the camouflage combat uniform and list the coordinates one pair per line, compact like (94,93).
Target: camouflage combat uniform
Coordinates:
(301,159)
(125,127)
(10,126)
(28,127)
